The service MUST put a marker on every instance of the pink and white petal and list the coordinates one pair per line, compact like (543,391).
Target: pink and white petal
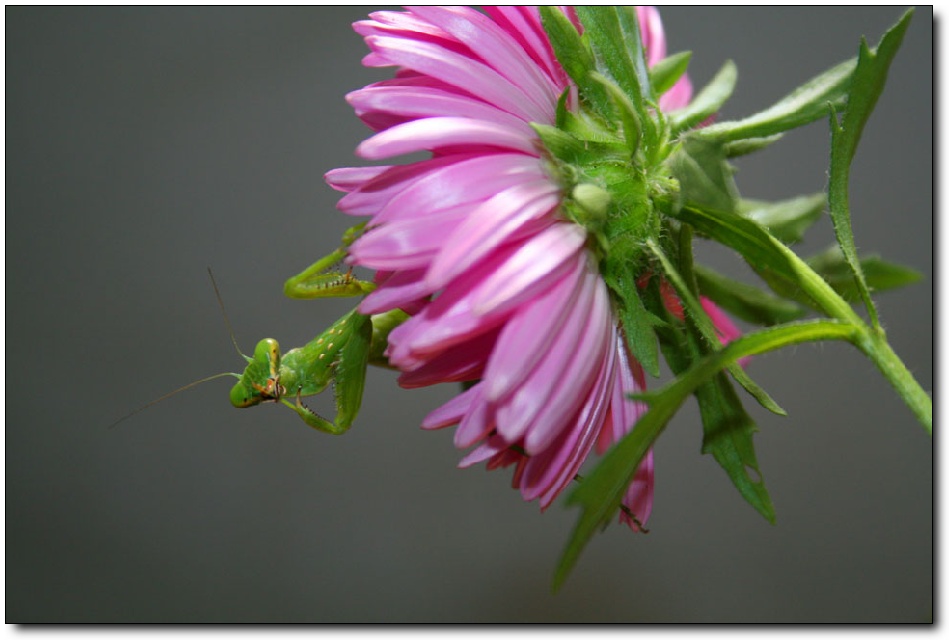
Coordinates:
(398,103)
(406,244)
(573,383)
(535,265)
(492,45)
(523,25)
(447,321)
(678,96)
(348,179)
(475,426)
(368,198)
(432,134)
(516,413)
(457,70)
(547,473)
(462,363)
(652,33)
(488,449)
(400,291)
(452,411)
(491,225)
(527,336)
(473,179)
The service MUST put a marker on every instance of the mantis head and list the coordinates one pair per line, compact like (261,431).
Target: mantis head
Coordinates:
(260,381)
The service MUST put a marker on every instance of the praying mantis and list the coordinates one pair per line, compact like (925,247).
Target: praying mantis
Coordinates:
(339,355)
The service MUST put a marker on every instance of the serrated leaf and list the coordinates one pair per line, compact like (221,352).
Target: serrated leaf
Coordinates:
(744,300)
(664,74)
(708,101)
(788,275)
(787,220)
(600,493)
(805,104)
(879,274)
(868,80)
(706,330)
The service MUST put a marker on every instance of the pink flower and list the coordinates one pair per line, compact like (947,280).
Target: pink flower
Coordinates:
(502,289)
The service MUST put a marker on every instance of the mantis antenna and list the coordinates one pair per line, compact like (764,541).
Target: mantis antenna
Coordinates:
(230,331)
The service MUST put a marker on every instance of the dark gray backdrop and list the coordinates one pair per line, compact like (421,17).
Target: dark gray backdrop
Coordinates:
(144,145)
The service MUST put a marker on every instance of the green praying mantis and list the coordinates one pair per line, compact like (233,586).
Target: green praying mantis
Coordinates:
(339,355)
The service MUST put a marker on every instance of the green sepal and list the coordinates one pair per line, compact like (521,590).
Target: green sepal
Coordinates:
(602,490)
(708,101)
(704,176)
(879,275)
(638,323)
(664,74)
(787,220)
(632,129)
(866,86)
(575,57)
(804,105)
(745,301)
(614,37)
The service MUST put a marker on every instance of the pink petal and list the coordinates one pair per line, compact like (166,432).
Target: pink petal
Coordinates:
(473,179)
(517,412)
(535,265)
(573,383)
(492,45)
(459,71)
(490,225)
(348,179)
(529,333)
(389,105)
(400,290)
(429,134)
(452,411)
(406,244)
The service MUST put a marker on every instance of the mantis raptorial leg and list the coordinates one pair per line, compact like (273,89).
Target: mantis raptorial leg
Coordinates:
(338,355)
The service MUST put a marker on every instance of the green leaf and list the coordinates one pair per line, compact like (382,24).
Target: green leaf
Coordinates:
(750,145)
(664,74)
(805,104)
(706,330)
(787,220)
(704,176)
(785,273)
(638,324)
(879,274)
(575,57)
(708,101)
(868,80)
(600,493)
(744,300)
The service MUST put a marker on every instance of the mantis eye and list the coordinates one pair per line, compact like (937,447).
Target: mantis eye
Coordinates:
(267,350)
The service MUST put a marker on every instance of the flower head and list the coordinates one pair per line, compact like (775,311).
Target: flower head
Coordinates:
(504,290)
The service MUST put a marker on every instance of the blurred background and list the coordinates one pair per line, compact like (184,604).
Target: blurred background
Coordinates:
(144,145)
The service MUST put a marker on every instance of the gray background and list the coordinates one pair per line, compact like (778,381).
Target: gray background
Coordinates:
(144,145)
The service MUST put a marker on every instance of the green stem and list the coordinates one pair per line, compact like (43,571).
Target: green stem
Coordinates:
(875,346)
(870,341)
